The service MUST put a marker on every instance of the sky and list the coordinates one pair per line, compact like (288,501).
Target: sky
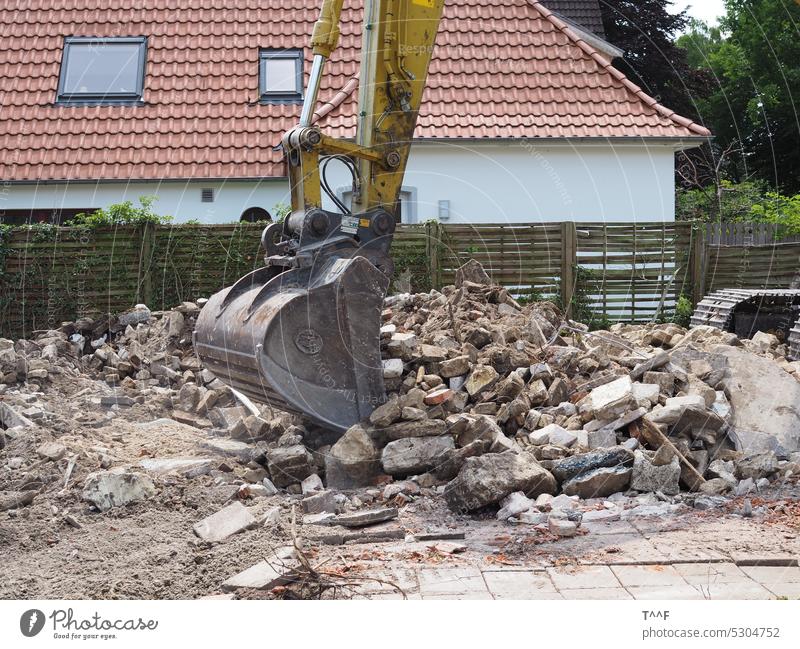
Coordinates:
(707,10)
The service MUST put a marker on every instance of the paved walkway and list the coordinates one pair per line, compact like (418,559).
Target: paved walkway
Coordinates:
(705,558)
(659,581)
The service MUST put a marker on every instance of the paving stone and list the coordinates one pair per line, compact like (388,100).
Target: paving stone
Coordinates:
(684,591)
(651,576)
(596,593)
(699,574)
(774,560)
(736,590)
(383,580)
(579,577)
(509,584)
(789,591)
(772,574)
(451,582)
(471,595)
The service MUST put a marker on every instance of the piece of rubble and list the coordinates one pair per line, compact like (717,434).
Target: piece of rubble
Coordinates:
(278,569)
(473,272)
(387,413)
(191,419)
(311,484)
(610,401)
(415,455)
(226,522)
(599,482)
(482,377)
(52,451)
(490,478)
(757,465)
(650,477)
(116,488)
(418,428)
(759,393)
(513,505)
(15,499)
(561,526)
(353,460)
(117,400)
(366,517)
(188,467)
(289,464)
(320,502)
(229,448)
(392,368)
(578,464)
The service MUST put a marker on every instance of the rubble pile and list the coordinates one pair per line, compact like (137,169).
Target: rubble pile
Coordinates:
(495,403)
(491,406)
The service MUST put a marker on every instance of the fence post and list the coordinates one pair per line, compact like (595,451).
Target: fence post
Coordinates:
(145,286)
(569,260)
(433,251)
(698,254)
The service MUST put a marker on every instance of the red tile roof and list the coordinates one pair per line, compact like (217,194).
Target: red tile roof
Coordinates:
(507,70)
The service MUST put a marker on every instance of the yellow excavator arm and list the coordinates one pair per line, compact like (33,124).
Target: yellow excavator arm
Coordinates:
(302,332)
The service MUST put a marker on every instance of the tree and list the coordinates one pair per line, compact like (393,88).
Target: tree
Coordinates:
(754,61)
(646,31)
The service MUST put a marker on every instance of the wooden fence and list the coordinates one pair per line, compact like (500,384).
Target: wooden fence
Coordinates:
(608,271)
(746,234)
(750,267)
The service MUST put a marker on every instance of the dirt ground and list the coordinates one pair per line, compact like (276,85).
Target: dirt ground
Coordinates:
(61,546)
(148,549)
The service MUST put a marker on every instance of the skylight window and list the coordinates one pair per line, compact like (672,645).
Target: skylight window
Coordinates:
(281,76)
(102,70)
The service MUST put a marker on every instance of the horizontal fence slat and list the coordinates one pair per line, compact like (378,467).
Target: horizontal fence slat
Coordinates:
(625,271)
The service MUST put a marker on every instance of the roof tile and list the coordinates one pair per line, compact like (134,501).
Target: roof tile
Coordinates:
(500,70)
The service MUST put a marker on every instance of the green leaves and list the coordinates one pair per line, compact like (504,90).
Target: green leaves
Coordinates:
(744,202)
(753,62)
(122,214)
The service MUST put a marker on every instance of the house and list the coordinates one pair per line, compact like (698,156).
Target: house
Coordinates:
(523,119)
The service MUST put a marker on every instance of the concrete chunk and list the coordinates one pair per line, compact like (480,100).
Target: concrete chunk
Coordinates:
(279,569)
(365,517)
(611,400)
(116,488)
(226,522)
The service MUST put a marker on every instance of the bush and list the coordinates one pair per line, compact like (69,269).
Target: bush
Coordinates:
(122,214)
(683,312)
(743,202)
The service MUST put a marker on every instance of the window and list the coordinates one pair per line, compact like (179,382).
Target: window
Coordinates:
(207,195)
(102,70)
(255,214)
(406,210)
(281,76)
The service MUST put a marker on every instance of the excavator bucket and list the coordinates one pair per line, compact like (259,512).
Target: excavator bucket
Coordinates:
(306,340)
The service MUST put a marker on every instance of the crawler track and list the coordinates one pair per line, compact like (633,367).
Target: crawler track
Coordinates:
(718,308)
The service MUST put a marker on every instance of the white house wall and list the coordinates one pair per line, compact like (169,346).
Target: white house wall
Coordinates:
(483,182)
(179,199)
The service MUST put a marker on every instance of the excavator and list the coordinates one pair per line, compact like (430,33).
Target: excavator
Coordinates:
(302,332)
